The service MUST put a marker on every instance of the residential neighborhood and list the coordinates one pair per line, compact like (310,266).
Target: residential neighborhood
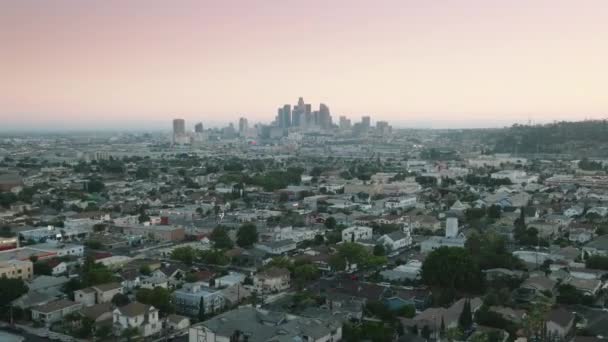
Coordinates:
(352,236)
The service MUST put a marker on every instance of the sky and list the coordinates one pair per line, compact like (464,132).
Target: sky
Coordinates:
(434,63)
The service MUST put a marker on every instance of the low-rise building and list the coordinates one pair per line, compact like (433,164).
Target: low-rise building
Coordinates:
(272,280)
(260,325)
(13,269)
(137,315)
(191,296)
(356,233)
(54,311)
(98,294)
(277,247)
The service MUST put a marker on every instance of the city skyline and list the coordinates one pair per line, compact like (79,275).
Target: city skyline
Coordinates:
(138,64)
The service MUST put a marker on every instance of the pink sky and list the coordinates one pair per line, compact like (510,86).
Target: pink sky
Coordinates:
(74,63)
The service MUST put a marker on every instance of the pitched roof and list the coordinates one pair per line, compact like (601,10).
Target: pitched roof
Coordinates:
(560,316)
(55,306)
(107,287)
(135,309)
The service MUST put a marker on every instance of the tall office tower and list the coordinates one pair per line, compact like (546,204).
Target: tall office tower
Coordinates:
(287,119)
(324,117)
(179,132)
(366,122)
(179,127)
(296,118)
(243,126)
(344,123)
(198,128)
(383,127)
(279,117)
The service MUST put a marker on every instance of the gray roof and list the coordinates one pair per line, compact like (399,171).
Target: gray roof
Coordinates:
(264,326)
(601,242)
(56,305)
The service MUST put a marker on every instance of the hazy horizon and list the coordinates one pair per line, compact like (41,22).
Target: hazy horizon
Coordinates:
(456,64)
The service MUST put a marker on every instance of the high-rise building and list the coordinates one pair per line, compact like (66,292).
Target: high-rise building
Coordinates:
(345,123)
(366,122)
(287,120)
(324,117)
(382,127)
(179,126)
(198,128)
(179,132)
(243,126)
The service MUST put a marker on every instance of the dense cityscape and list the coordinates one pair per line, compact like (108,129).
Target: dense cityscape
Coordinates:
(305,230)
(303,171)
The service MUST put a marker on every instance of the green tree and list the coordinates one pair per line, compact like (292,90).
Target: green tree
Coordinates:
(330,223)
(379,250)
(145,270)
(597,262)
(95,185)
(158,297)
(130,333)
(120,299)
(465,320)
(201,309)
(186,255)
(42,268)
(103,332)
(142,173)
(247,235)
(94,273)
(452,268)
(220,238)
(11,289)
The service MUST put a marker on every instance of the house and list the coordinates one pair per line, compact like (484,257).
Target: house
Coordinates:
(589,287)
(356,233)
(559,323)
(253,324)
(574,211)
(97,294)
(17,269)
(277,247)
(580,235)
(58,267)
(396,240)
(400,203)
(191,296)
(230,279)
(533,287)
(54,311)
(137,315)
(435,242)
(98,313)
(433,317)
(272,280)
(597,246)
(130,279)
(177,322)
(154,281)
(409,271)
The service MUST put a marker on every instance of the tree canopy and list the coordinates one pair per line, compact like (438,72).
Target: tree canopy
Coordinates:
(452,268)
(247,235)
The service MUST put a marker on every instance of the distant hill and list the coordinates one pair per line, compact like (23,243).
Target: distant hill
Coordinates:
(584,138)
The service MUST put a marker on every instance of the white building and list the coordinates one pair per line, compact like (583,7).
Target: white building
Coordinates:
(400,203)
(515,176)
(396,240)
(356,233)
(137,315)
(272,280)
(451,227)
